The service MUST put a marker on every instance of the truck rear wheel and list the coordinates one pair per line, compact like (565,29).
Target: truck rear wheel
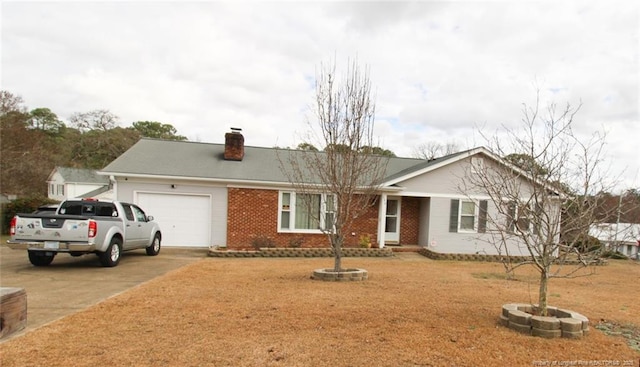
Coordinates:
(111,257)
(41,258)
(154,249)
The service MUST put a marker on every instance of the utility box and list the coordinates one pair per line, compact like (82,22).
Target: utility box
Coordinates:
(13,310)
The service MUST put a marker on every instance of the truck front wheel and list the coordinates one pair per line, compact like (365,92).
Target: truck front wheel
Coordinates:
(41,258)
(154,249)
(111,257)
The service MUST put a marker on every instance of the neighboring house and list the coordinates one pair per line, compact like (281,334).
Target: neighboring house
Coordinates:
(7,198)
(68,183)
(620,237)
(206,194)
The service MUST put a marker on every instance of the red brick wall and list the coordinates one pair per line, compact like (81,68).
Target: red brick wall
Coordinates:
(409,221)
(254,213)
(250,213)
(367,224)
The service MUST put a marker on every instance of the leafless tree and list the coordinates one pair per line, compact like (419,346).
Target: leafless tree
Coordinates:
(544,206)
(10,102)
(433,149)
(344,177)
(101,120)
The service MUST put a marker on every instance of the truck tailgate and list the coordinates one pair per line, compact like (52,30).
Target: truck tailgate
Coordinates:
(52,228)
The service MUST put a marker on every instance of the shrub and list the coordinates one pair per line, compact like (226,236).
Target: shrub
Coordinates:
(587,244)
(364,241)
(21,205)
(610,254)
(296,242)
(260,241)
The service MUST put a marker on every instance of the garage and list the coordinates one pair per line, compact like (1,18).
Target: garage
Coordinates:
(185,220)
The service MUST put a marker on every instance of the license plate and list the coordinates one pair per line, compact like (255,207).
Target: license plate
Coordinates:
(54,245)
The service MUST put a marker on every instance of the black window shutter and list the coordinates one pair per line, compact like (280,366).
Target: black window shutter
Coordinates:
(482,217)
(453,219)
(538,219)
(511,217)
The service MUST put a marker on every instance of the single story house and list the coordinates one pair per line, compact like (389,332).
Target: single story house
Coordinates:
(205,195)
(69,183)
(620,237)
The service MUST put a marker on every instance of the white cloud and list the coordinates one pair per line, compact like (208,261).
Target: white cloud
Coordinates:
(439,69)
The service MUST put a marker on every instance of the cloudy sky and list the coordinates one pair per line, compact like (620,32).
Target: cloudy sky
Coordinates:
(440,69)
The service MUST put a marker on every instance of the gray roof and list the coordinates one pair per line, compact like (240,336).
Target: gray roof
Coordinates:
(184,159)
(82,175)
(96,192)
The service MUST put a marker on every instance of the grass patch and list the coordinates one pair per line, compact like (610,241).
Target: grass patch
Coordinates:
(268,312)
(501,276)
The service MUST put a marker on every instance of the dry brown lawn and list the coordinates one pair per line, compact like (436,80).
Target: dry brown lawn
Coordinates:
(268,312)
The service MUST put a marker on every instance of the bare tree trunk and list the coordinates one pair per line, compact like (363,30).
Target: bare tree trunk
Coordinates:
(337,248)
(344,174)
(542,294)
(547,199)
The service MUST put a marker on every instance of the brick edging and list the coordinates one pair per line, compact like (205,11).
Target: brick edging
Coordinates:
(468,257)
(303,252)
(495,258)
(559,323)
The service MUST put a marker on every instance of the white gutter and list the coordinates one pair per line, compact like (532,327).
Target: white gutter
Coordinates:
(225,181)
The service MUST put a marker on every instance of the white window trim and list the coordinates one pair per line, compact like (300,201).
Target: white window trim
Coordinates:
(292,213)
(476,213)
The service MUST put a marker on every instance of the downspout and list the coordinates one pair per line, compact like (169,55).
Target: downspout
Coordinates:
(615,238)
(382,210)
(114,184)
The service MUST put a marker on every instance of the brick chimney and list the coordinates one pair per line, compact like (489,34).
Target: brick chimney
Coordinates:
(234,145)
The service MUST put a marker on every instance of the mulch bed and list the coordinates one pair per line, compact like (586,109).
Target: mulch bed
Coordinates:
(412,311)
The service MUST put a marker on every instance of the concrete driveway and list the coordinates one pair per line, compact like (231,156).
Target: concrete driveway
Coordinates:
(71,284)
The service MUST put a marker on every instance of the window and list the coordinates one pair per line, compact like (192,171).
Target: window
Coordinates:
(468,216)
(52,189)
(306,212)
(106,210)
(128,212)
(140,216)
(285,210)
(78,208)
(60,189)
(329,211)
(519,216)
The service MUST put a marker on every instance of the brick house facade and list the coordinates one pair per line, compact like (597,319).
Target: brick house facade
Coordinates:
(253,217)
(236,196)
(410,224)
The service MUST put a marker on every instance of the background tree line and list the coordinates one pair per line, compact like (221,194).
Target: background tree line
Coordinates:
(33,142)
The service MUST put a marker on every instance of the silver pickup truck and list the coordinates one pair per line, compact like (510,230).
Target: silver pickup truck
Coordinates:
(80,227)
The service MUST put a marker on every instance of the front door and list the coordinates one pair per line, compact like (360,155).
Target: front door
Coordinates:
(133,232)
(392,222)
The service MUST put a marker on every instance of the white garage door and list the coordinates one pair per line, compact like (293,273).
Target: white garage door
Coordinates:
(185,220)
